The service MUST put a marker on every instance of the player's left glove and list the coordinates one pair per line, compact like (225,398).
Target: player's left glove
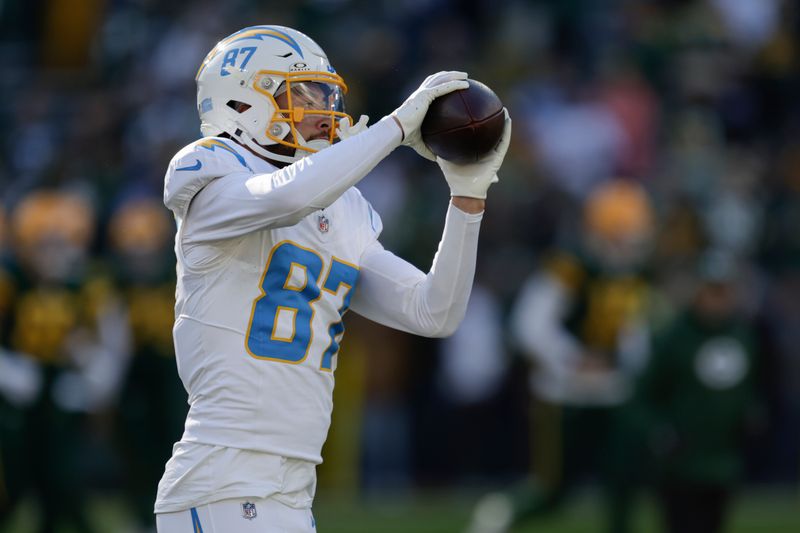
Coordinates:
(474,179)
(345,130)
(410,114)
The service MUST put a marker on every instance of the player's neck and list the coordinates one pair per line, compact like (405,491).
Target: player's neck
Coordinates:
(273,162)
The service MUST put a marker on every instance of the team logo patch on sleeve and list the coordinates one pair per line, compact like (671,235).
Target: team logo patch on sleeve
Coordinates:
(249,510)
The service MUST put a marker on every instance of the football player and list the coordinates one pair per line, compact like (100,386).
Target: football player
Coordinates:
(582,320)
(63,351)
(274,244)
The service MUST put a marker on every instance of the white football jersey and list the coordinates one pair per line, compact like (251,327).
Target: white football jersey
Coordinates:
(268,262)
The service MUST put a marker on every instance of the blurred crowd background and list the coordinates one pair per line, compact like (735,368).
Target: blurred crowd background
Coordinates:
(635,322)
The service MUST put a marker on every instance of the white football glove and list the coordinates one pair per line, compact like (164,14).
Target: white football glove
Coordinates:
(411,113)
(345,130)
(473,180)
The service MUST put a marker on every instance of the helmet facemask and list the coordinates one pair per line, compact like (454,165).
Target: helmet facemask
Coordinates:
(307,95)
(303,96)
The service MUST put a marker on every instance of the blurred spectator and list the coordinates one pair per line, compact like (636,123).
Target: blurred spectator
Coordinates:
(473,358)
(386,427)
(777,453)
(751,23)
(151,396)
(579,139)
(698,391)
(582,321)
(472,370)
(67,337)
(635,106)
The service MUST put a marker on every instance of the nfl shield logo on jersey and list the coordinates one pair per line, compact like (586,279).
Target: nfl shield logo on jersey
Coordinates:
(323,223)
(249,510)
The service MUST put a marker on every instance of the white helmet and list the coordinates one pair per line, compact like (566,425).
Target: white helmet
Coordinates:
(252,67)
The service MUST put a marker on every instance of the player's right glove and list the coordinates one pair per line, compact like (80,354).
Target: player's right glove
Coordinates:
(411,113)
(345,130)
(474,179)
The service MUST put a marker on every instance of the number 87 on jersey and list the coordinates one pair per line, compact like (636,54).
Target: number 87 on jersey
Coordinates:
(282,319)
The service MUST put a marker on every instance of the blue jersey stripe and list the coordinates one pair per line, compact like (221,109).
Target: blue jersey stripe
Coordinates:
(196,526)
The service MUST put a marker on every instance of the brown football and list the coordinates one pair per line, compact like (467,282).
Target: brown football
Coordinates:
(464,125)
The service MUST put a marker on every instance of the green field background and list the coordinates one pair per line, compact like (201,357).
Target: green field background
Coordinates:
(448,512)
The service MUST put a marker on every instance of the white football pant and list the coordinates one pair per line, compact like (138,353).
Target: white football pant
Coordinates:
(240,515)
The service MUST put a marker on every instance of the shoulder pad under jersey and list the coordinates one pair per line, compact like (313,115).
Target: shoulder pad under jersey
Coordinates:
(366,210)
(195,166)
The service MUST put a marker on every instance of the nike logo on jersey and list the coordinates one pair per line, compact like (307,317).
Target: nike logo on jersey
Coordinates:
(197,166)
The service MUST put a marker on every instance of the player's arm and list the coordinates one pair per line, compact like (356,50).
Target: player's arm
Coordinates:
(395,293)
(237,204)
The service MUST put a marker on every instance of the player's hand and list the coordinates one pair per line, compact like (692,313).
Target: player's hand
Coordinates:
(474,179)
(345,130)
(410,115)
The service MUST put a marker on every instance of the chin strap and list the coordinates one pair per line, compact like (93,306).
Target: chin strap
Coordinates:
(248,141)
(316,145)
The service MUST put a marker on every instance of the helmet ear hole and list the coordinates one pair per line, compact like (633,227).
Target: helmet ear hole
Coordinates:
(239,107)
